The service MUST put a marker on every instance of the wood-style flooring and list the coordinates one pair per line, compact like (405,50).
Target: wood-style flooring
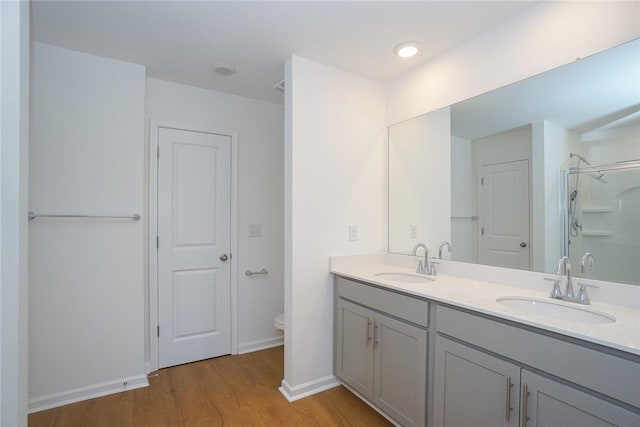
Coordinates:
(225,391)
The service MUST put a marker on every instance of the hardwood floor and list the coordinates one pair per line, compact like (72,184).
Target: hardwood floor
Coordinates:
(225,391)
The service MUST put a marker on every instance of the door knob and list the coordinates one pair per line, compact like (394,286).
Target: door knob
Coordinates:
(224,257)
(523,245)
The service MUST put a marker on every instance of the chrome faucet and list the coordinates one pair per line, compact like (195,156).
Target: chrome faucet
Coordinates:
(564,267)
(583,297)
(423,266)
(442,245)
(585,257)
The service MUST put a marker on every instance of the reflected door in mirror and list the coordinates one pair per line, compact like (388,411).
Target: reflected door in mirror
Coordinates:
(504,215)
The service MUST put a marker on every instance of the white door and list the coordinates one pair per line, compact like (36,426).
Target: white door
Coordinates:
(194,218)
(504,215)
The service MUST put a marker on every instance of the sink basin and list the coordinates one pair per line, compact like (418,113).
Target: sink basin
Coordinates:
(554,310)
(406,277)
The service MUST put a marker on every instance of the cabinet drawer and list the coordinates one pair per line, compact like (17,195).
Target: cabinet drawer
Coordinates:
(413,310)
(600,371)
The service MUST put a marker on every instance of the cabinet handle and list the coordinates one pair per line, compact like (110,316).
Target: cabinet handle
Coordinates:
(368,330)
(507,399)
(375,340)
(525,395)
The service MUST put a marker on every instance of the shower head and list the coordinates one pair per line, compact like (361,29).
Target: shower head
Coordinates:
(598,176)
(580,158)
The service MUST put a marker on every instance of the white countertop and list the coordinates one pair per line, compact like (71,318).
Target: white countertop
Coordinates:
(480,296)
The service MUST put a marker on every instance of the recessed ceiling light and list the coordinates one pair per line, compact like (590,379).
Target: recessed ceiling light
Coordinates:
(224,69)
(406,49)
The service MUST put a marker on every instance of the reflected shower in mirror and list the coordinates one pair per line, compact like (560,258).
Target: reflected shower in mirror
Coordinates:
(508,150)
(602,206)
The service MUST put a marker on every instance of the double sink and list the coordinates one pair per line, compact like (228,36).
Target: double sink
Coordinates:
(522,305)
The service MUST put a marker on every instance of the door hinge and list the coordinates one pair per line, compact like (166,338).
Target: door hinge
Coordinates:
(482,181)
(158,330)
(482,231)
(158,153)
(157,242)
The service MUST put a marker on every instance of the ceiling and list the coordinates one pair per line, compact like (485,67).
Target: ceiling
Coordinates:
(181,41)
(602,90)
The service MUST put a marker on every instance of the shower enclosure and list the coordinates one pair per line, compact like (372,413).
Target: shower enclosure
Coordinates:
(602,217)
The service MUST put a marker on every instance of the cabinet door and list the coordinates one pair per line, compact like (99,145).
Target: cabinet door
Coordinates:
(355,347)
(472,388)
(400,370)
(549,403)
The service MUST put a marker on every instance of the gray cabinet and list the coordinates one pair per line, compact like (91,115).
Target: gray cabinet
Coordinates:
(549,403)
(355,335)
(473,388)
(380,356)
(486,371)
(400,372)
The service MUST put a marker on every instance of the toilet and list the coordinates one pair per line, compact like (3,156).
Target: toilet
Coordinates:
(279,322)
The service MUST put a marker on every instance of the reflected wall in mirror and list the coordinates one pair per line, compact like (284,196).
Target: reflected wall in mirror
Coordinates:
(509,148)
(416,188)
(602,206)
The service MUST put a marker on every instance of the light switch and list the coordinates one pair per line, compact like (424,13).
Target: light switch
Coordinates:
(255,231)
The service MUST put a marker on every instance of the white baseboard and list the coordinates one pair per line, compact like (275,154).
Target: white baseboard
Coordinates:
(260,345)
(85,393)
(307,389)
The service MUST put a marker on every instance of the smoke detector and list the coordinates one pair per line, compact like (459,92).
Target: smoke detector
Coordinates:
(224,69)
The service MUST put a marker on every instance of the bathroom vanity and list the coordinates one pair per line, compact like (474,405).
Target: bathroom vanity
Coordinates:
(484,344)
(381,348)
(446,352)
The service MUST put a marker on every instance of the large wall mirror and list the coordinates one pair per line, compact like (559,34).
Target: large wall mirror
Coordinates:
(509,153)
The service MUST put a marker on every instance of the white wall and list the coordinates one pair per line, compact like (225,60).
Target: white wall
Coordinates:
(544,36)
(611,145)
(335,175)
(86,326)
(464,230)
(14,134)
(550,155)
(259,126)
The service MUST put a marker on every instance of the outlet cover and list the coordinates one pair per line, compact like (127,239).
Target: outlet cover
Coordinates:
(353,233)
(413,231)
